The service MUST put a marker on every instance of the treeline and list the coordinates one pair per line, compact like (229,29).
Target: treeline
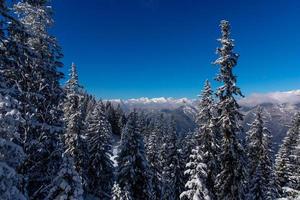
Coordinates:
(56,141)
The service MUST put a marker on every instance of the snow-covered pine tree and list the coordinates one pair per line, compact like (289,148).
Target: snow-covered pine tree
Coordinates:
(134,174)
(172,176)
(185,145)
(11,153)
(197,174)
(40,96)
(89,104)
(207,137)
(153,151)
(100,167)
(75,144)
(261,177)
(287,160)
(67,185)
(113,117)
(230,180)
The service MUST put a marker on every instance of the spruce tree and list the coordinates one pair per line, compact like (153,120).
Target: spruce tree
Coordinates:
(261,183)
(11,152)
(100,167)
(153,153)
(172,176)
(230,180)
(287,160)
(207,136)
(74,119)
(40,95)
(196,188)
(133,174)
(67,184)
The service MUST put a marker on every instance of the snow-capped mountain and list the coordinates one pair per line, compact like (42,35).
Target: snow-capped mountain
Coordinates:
(153,103)
(278,107)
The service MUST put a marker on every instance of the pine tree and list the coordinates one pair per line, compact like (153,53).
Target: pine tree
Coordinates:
(172,176)
(185,145)
(67,184)
(113,117)
(261,184)
(100,166)
(197,172)
(230,180)
(207,137)
(11,153)
(287,160)
(74,119)
(133,175)
(153,153)
(38,80)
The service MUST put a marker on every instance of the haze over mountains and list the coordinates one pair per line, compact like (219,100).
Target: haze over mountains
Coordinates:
(287,97)
(278,108)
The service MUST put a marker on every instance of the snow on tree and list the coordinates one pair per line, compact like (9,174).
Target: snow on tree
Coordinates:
(133,173)
(185,144)
(40,95)
(113,116)
(116,192)
(100,166)
(172,176)
(230,180)
(288,159)
(89,104)
(74,122)
(153,152)
(11,153)
(261,179)
(197,174)
(207,136)
(67,184)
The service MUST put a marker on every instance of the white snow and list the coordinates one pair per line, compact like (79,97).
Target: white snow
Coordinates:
(291,97)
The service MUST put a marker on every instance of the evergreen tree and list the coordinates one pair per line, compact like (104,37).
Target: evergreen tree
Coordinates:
(113,117)
(134,175)
(197,172)
(67,184)
(207,137)
(100,166)
(230,180)
(261,184)
(185,146)
(172,176)
(287,160)
(153,153)
(40,95)
(74,119)
(11,152)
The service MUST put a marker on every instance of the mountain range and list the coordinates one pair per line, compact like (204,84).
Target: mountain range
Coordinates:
(278,108)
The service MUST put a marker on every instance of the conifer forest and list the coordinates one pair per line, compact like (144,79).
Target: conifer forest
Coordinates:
(59,142)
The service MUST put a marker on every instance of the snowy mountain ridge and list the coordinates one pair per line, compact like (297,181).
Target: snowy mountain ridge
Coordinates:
(146,100)
(279,97)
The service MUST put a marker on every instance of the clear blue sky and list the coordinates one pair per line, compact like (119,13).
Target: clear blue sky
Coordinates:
(134,48)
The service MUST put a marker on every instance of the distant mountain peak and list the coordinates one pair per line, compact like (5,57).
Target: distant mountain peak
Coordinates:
(285,97)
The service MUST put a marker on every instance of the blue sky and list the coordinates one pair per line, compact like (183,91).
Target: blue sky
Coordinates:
(134,48)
